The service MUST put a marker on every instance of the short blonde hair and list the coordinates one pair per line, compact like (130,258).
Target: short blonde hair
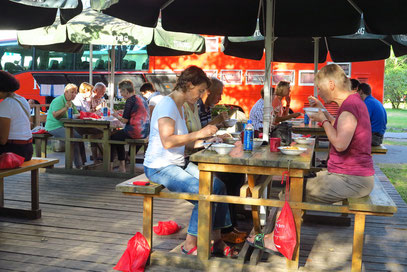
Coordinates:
(334,72)
(279,91)
(70,86)
(85,87)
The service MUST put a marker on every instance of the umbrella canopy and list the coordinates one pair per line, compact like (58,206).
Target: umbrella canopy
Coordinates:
(91,27)
(28,14)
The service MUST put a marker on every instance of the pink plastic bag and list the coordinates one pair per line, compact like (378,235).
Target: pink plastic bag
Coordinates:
(135,256)
(10,160)
(285,234)
(166,228)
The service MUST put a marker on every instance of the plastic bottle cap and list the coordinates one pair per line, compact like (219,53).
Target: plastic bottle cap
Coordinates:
(249,121)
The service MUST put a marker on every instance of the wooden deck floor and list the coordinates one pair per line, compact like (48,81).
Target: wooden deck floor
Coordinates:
(86,225)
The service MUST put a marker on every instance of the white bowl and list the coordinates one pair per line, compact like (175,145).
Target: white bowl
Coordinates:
(231,140)
(222,149)
(291,150)
(257,143)
(230,122)
(303,140)
(235,134)
(312,111)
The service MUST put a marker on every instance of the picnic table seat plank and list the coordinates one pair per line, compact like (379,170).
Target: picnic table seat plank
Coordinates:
(378,201)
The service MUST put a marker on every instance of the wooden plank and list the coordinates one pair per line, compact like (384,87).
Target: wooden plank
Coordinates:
(34,163)
(204,216)
(128,187)
(378,201)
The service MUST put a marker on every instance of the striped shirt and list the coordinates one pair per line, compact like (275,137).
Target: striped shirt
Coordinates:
(256,114)
(204,115)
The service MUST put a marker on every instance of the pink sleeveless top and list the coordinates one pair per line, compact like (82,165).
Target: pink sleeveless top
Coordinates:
(356,159)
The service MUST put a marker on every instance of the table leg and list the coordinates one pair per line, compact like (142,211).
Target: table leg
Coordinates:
(106,149)
(296,191)
(68,147)
(35,195)
(204,216)
(132,149)
(255,209)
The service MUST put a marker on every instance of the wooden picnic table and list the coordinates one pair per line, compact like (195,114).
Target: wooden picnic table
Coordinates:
(71,124)
(32,165)
(259,162)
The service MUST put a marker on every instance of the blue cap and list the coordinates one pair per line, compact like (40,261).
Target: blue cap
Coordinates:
(249,121)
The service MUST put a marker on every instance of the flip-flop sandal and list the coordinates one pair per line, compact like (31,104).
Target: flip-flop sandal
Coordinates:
(190,252)
(258,242)
(227,251)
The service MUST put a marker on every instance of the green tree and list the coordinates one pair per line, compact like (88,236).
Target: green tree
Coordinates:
(395,81)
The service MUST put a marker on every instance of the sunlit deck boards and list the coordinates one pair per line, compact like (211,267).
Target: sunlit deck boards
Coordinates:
(86,224)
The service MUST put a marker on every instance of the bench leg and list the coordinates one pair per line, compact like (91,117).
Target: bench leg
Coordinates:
(204,216)
(1,192)
(35,195)
(44,148)
(148,219)
(358,236)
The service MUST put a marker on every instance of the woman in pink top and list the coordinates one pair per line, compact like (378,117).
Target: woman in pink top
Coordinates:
(350,165)
(280,113)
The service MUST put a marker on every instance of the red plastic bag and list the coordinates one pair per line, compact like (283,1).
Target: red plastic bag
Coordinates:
(40,131)
(166,228)
(285,234)
(135,256)
(10,160)
(84,114)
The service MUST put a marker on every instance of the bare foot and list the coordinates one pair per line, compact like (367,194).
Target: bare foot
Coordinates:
(268,241)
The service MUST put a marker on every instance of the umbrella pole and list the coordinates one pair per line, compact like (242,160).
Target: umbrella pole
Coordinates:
(90,64)
(316,58)
(111,83)
(269,45)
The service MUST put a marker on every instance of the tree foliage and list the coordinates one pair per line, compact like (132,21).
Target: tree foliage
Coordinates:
(395,81)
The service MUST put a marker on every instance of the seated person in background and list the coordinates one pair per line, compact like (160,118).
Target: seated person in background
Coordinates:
(210,99)
(377,113)
(164,162)
(97,97)
(354,84)
(150,95)
(350,165)
(82,99)
(256,113)
(32,103)
(136,117)
(280,113)
(58,109)
(15,132)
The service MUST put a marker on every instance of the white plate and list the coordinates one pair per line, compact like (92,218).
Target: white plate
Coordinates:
(230,122)
(285,150)
(314,110)
(303,140)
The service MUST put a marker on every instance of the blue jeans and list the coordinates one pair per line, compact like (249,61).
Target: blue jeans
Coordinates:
(177,179)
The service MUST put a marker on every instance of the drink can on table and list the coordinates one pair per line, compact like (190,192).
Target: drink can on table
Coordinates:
(70,112)
(105,112)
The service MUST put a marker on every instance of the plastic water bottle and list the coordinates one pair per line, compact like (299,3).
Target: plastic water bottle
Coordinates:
(306,119)
(70,112)
(105,112)
(248,136)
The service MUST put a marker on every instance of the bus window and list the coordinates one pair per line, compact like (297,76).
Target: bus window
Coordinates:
(133,58)
(53,61)
(14,58)
(100,58)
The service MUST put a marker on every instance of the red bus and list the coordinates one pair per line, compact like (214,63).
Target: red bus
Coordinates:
(43,74)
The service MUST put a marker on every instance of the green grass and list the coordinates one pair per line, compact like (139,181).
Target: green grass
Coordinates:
(397,174)
(396,120)
(388,142)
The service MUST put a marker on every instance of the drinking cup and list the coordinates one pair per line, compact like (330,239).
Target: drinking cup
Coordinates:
(274,144)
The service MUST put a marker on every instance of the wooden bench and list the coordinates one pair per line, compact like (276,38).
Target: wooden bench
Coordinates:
(378,203)
(33,165)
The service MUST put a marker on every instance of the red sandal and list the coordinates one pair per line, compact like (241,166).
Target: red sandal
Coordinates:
(227,251)
(190,252)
